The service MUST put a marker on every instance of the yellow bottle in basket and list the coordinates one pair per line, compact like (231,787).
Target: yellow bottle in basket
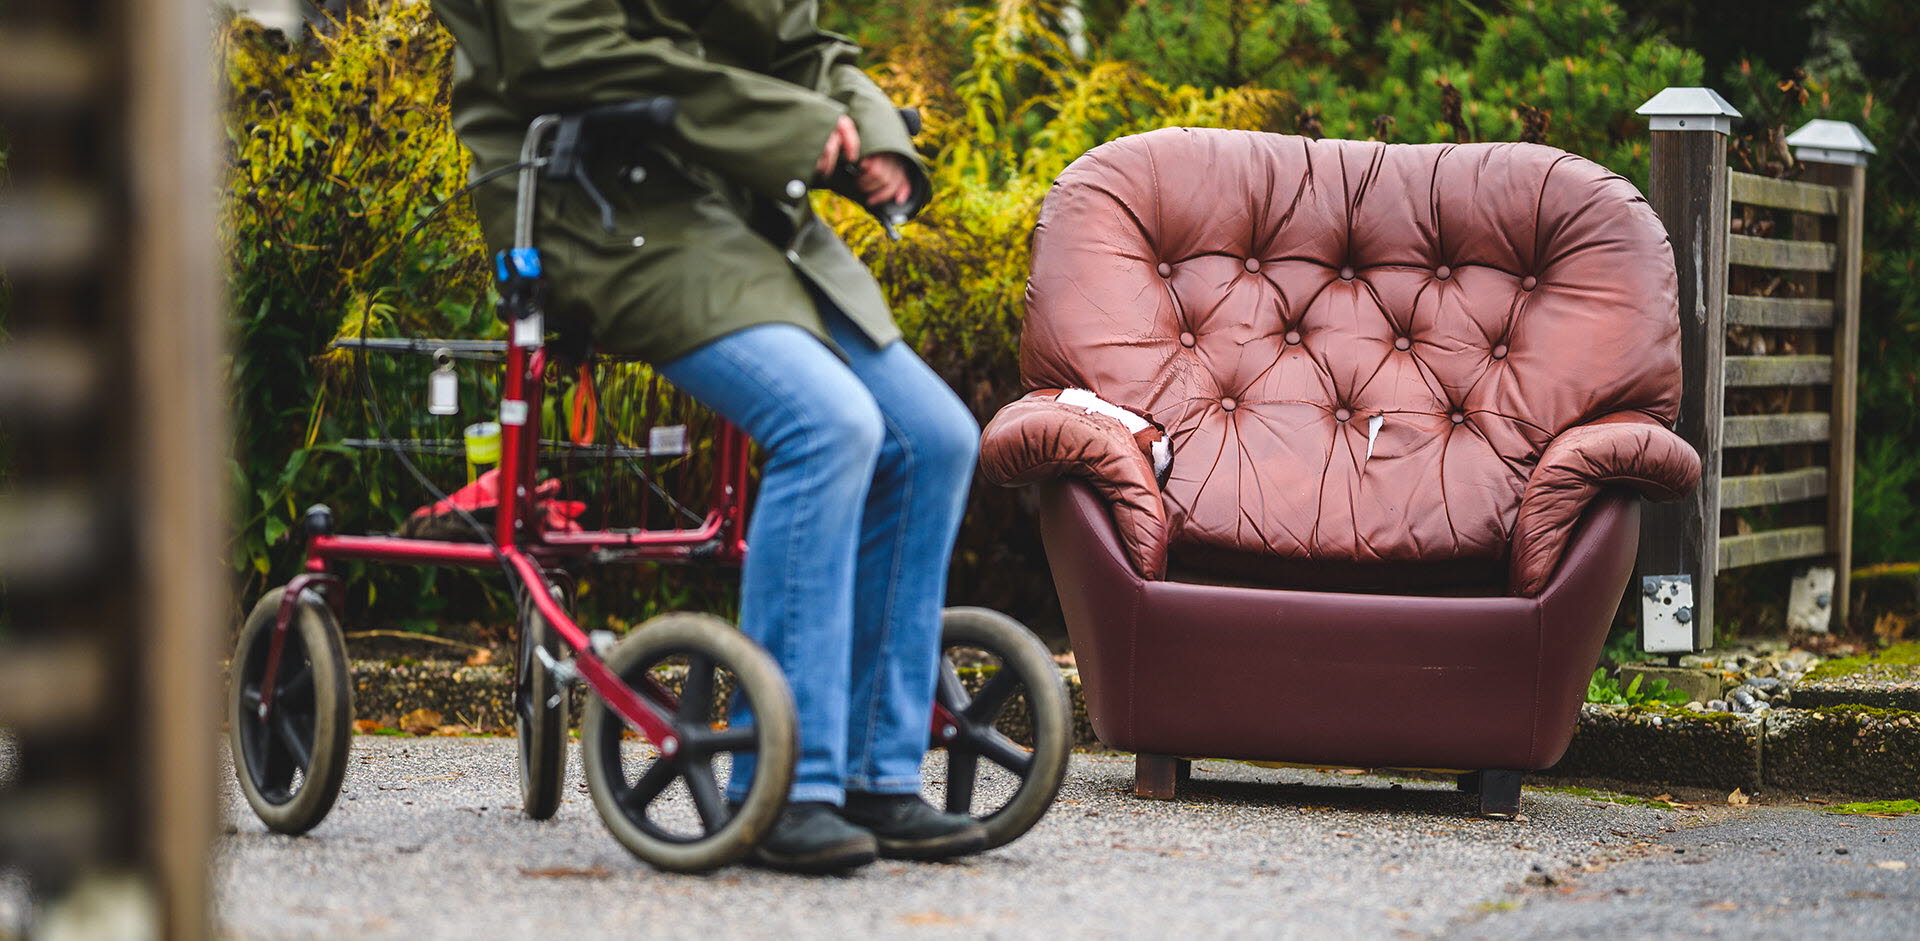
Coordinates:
(483,446)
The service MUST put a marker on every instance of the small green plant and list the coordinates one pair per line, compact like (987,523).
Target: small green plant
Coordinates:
(1878,808)
(1607,690)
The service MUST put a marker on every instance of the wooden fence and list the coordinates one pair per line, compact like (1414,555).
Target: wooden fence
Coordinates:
(1769,299)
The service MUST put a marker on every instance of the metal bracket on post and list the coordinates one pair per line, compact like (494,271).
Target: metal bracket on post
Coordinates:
(1666,614)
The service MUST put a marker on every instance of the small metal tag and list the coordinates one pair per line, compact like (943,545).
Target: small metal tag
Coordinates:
(667,441)
(513,412)
(530,331)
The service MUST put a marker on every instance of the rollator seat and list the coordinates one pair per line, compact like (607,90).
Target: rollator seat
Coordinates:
(1413,395)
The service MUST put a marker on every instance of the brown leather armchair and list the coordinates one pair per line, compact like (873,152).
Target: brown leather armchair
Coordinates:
(1409,394)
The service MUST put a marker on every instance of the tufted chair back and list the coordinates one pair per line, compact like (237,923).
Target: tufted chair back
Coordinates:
(1358,350)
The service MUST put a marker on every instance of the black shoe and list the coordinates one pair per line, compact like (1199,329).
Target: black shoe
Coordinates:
(812,838)
(908,828)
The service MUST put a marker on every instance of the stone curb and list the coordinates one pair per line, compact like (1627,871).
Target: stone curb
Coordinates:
(1679,748)
(1850,750)
(1878,692)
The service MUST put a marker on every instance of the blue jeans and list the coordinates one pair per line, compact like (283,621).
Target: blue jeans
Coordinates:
(868,461)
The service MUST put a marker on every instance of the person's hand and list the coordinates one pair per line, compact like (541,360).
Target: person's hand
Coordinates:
(883,179)
(843,143)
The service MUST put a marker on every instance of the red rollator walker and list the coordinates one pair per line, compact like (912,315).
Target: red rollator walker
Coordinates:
(675,702)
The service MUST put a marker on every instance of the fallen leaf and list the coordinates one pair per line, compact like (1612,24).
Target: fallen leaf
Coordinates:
(1663,797)
(1738,797)
(932,918)
(1891,864)
(420,722)
(568,872)
(480,658)
(365,726)
(1352,771)
(453,730)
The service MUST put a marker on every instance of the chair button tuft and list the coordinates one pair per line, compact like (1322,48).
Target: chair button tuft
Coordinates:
(1500,352)
(1186,339)
(1529,282)
(1346,273)
(1458,417)
(1166,270)
(1253,264)
(1443,272)
(1341,414)
(1402,344)
(1228,404)
(1293,338)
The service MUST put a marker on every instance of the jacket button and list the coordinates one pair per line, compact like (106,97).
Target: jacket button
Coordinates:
(1186,339)
(1529,282)
(1228,404)
(1166,270)
(1458,417)
(1500,352)
(1293,338)
(1346,273)
(1443,272)
(1402,344)
(1341,414)
(1253,264)
(796,189)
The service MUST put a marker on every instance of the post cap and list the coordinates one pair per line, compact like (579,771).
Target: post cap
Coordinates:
(1824,141)
(1689,109)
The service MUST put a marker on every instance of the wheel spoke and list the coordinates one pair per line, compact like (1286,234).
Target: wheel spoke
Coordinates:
(962,767)
(733,739)
(297,744)
(298,684)
(950,692)
(651,782)
(696,694)
(706,794)
(1001,750)
(992,697)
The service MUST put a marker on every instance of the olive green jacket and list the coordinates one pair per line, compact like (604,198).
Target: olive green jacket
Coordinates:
(712,235)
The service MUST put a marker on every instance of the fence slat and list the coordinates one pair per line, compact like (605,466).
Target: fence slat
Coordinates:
(1755,190)
(1781,312)
(1750,371)
(1784,254)
(1799,542)
(1773,489)
(1752,431)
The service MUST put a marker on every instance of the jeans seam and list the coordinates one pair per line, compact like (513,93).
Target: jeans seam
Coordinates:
(908,464)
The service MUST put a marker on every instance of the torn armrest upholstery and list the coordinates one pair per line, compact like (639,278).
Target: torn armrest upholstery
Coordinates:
(1624,450)
(1052,434)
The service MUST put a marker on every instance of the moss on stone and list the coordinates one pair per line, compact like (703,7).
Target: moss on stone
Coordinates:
(1903,659)
(1895,807)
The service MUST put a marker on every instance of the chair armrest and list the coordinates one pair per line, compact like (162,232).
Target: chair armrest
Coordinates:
(1623,450)
(1038,438)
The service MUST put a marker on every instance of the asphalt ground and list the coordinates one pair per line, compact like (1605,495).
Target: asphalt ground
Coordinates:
(427,842)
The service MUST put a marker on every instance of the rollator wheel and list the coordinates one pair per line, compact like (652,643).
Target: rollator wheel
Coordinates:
(1017,696)
(671,810)
(291,763)
(540,712)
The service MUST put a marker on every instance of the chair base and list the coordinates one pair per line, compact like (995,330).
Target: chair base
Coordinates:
(1158,776)
(1499,792)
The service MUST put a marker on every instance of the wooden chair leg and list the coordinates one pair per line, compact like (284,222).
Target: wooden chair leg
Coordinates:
(1500,794)
(1159,776)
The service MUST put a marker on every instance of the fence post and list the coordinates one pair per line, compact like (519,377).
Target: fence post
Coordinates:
(1835,154)
(1679,541)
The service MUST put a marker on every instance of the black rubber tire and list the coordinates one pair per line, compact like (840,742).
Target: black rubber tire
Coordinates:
(312,713)
(1041,769)
(774,741)
(540,707)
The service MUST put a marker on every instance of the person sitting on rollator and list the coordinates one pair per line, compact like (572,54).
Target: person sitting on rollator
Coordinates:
(719,274)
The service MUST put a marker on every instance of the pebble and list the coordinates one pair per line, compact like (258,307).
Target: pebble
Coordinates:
(1717,705)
